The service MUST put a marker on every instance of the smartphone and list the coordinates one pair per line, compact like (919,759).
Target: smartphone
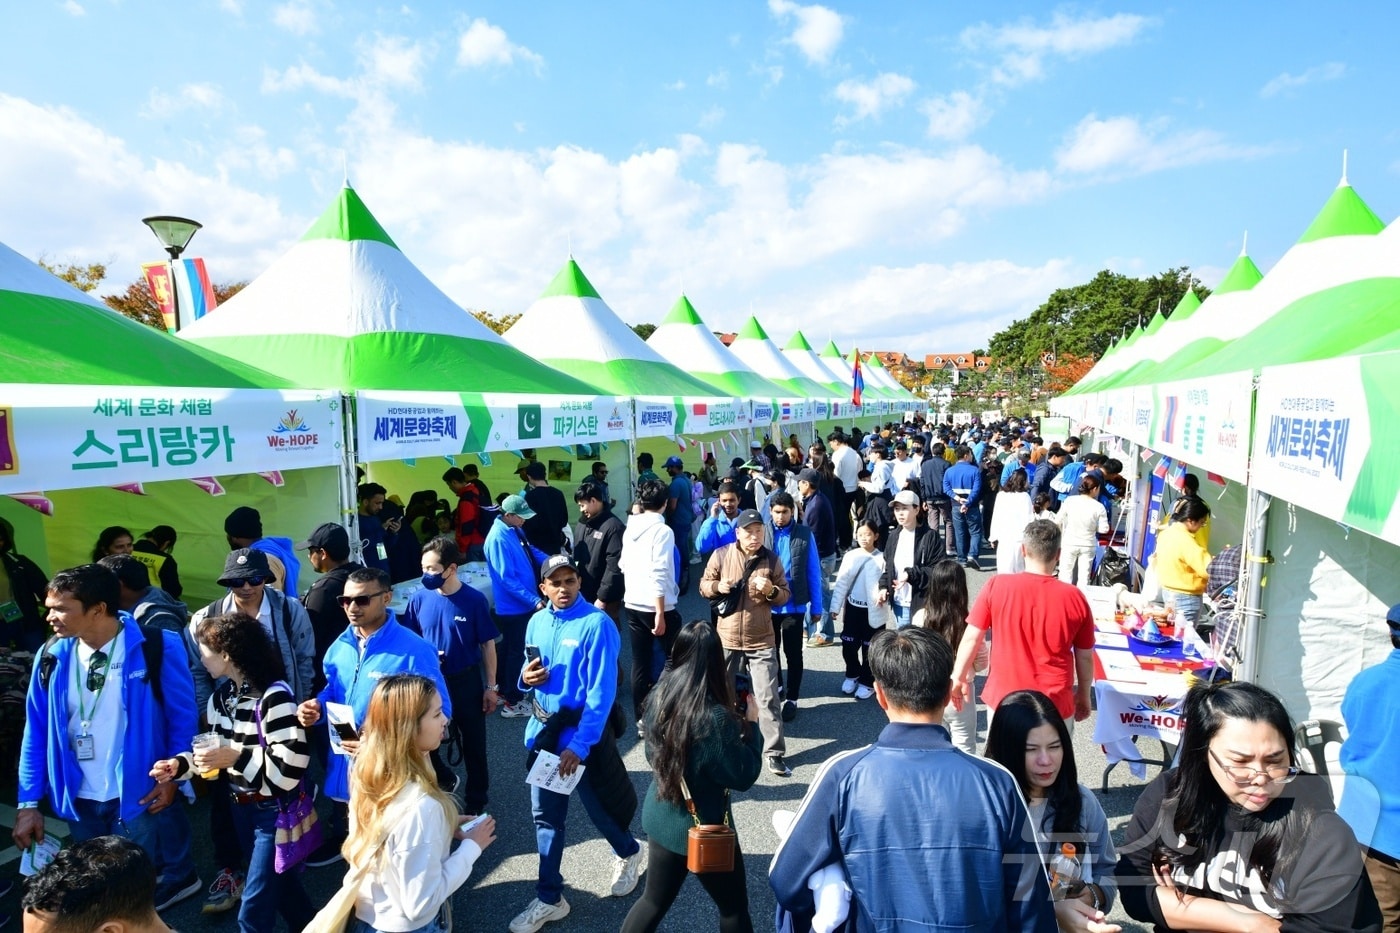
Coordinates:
(474,823)
(532,653)
(346,731)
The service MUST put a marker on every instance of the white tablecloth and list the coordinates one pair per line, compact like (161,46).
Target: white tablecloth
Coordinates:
(473,574)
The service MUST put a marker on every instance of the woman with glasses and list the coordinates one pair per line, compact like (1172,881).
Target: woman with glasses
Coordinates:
(1235,838)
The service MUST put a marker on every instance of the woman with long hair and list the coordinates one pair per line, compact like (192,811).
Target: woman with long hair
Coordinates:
(401,822)
(700,747)
(945,611)
(1012,514)
(1029,738)
(1083,522)
(113,540)
(263,752)
(1235,837)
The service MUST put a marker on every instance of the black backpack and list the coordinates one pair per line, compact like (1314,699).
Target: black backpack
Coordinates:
(152,648)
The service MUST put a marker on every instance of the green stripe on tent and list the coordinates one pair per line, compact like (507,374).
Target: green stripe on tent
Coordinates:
(752,330)
(831,350)
(50,341)
(1344,214)
(347,218)
(1377,490)
(682,312)
(1155,324)
(1184,308)
(798,342)
(571,282)
(1244,274)
(635,377)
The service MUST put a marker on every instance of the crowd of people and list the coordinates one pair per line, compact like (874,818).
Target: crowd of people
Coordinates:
(327,728)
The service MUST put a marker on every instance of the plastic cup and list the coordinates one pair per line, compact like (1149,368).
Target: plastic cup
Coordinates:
(207,741)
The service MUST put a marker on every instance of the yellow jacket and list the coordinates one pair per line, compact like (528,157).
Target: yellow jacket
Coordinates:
(1181,560)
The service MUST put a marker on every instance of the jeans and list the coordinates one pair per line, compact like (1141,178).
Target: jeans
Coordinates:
(1188,605)
(763,674)
(103,819)
(266,893)
(967,532)
(940,515)
(787,629)
(826,625)
(359,926)
(903,615)
(173,834)
(511,654)
(639,630)
(667,871)
(551,812)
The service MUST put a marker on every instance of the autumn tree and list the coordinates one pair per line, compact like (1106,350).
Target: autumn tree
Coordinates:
(499,324)
(84,278)
(644,330)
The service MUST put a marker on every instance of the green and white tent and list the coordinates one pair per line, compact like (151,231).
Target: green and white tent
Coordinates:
(97,399)
(755,349)
(683,340)
(345,309)
(888,382)
(801,355)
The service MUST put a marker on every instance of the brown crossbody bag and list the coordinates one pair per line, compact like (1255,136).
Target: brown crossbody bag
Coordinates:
(710,846)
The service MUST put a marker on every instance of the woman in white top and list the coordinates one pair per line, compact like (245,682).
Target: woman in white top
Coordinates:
(1010,516)
(856,603)
(1082,519)
(401,822)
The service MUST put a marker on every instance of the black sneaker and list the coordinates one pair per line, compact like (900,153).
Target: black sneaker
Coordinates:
(776,765)
(973,565)
(327,854)
(170,893)
(789,711)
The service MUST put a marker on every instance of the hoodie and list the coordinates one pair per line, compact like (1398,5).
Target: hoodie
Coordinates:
(157,607)
(282,549)
(648,563)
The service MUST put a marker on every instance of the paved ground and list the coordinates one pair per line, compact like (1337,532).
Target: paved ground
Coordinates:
(503,881)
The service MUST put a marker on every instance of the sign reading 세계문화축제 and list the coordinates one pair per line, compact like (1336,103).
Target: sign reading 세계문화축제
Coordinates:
(70,437)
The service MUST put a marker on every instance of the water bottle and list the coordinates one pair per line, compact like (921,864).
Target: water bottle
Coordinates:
(1064,871)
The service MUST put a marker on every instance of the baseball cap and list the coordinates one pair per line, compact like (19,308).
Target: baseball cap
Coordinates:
(554,563)
(515,505)
(332,538)
(244,564)
(748,517)
(1392,618)
(809,476)
(535,470)
(907,497)
(755,445)
(672,461)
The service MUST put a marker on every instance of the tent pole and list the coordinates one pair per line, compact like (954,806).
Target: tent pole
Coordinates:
(1253,568)
(349,503)
(631,455)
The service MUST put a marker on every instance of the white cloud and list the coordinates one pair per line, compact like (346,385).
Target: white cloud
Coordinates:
(201,96)
(817,32)
(484,45)
(74,8)
(711,117)
(1024,46)
(299,17)
(1288,82)
(953,116)
(394,61)
(676,85)
(872,98)
(385,63)
(1119,146)
(719,79)
(232,6)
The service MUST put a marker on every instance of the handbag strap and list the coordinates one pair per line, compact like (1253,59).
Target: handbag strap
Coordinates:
(690,804)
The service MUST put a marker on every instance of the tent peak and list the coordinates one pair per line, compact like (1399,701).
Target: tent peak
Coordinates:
(752,330)
(798,342)
(682,312)
(347,218)
(570,282)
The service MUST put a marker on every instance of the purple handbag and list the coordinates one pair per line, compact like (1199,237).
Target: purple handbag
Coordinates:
(298,831)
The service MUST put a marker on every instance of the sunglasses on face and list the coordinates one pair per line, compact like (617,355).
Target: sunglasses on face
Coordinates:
(360,601)
(251,581)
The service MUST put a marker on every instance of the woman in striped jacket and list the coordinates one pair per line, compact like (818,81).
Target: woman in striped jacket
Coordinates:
(263,751)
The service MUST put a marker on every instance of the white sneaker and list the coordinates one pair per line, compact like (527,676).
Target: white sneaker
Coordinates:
(864,693)
(517,710)
(627,871)
(538,914)
(848,686)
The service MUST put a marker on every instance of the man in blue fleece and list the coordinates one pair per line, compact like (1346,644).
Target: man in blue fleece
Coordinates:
(513,563)
(373,647)
(574,680)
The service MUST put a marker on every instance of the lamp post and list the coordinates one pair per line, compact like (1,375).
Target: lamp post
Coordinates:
(174,234)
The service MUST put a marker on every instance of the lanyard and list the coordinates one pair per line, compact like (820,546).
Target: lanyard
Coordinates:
(85,716)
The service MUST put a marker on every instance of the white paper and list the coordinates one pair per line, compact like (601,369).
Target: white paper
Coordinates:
(545,774)
(342,713)
(37,857)
(1110,640)
(1120,665)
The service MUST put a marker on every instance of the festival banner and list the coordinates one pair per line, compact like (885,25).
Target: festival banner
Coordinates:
(73,437)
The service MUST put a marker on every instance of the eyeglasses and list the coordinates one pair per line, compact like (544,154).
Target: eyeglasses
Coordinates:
(250,581)
(1244,775)
(360,601)
(97,671)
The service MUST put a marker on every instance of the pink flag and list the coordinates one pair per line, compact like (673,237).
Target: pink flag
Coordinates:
(1146,455)
(1216,478)
(135,489)
(36,501)
(274,477)
(209,484)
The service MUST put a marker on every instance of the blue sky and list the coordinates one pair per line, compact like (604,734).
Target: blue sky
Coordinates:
(908,176)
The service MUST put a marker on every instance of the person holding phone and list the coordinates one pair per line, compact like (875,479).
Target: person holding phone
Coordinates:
(403,823)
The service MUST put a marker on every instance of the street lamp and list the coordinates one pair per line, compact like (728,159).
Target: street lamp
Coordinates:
(174,234)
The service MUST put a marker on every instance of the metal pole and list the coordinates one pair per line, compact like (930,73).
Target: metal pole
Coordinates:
(174,291)
(1253,570)
(349,502)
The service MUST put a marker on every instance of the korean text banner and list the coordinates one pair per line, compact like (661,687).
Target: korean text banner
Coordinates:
(405,425)
(1324,439)
(1205,422)
(71,437)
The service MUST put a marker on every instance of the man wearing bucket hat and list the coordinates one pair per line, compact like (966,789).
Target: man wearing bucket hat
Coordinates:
(513,564)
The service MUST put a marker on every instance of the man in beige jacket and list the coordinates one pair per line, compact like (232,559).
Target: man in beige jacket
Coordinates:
(750,578)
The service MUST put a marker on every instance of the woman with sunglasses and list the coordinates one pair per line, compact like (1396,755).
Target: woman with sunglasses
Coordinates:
(1235,838)
(1029,738)
(263,753)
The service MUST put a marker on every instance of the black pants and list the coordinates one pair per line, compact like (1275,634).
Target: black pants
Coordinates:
(227,852)
(465,690)
(787,626)
(841,505)
(510,653)
(666,872)
(639,630)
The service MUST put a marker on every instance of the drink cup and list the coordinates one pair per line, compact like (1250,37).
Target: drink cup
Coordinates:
(207,741)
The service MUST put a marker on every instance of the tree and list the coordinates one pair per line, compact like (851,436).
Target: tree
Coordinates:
(644,330)
(84,278)
(138,304)
(498,324)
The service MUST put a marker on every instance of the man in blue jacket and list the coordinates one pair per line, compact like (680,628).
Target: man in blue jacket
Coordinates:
(96,721)
(574,680)
(373,647)
(968,862)
(963,484)
(513,563)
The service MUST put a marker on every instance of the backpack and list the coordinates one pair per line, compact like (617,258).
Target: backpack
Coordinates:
(152,649)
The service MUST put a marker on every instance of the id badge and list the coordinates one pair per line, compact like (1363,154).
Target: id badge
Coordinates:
(9,611)
(85,746)
(382,551)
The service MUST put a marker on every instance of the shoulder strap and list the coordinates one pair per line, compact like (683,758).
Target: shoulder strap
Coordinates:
(153,650)
(47,662)
(690,804)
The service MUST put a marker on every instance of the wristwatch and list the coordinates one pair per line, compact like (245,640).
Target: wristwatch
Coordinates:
(494,688)
(771,593)
(27,805)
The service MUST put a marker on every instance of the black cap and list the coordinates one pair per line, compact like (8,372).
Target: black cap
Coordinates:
(244,564)
(554,563)
(331,538)
(810,477)
(243,522)
(748,517)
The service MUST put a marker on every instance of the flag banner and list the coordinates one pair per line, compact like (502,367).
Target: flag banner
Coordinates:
(1163,468)
(36,501)
(857,380)
(209,484)
(1146,455)
(158,281)
(136,489)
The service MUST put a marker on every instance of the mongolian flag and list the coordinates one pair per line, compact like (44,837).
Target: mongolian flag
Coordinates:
(857,381)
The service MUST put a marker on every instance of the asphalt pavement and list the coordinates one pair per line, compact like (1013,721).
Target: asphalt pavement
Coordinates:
(503,881)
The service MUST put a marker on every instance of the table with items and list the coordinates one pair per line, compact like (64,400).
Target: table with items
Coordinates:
(1143,666)
(472,573)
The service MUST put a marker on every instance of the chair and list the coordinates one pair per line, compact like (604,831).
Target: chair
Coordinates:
(1313,736)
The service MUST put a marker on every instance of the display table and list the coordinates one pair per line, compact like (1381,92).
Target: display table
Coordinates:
(473,574)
